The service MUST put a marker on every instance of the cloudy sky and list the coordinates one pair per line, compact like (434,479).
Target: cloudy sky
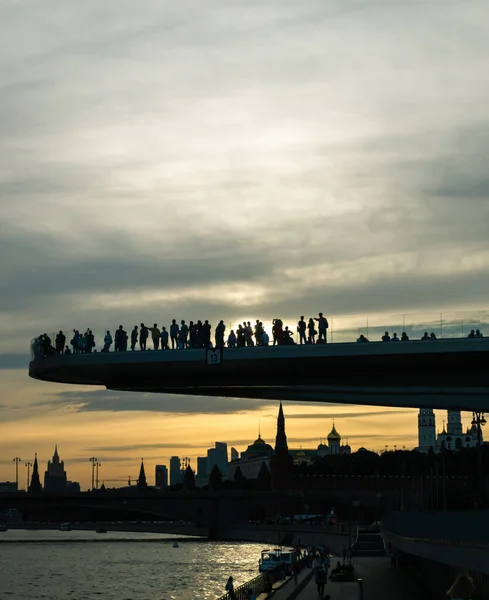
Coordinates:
(231,159)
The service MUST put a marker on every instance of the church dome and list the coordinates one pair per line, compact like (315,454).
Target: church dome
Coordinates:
(259,448)
(334,436)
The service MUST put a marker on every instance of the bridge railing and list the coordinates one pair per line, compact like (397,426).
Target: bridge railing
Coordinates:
(342,329)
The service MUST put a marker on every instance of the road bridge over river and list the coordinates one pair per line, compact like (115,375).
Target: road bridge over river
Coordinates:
(451,373)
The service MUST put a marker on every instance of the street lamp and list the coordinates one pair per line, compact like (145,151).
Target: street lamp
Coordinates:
(479,421)
(93,460)
(28,465)
(17,460)
(97,465)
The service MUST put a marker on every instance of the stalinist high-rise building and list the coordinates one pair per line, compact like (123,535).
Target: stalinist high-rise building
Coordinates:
(55,476)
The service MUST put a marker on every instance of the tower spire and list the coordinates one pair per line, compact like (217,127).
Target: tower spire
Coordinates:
(282,463)
(35,486)
(142,483)
(281,438)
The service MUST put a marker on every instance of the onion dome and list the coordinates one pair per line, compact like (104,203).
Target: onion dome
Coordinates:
(334,436)
(259,441)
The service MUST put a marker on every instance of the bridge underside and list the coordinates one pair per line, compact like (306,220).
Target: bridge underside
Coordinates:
(442,374)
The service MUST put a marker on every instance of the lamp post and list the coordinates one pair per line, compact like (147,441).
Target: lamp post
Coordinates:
(93,460)
(97,465)
(17,460)
(28,465)
(479,421)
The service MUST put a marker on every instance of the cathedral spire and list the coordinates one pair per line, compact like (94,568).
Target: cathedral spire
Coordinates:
(35,486)
(142,483)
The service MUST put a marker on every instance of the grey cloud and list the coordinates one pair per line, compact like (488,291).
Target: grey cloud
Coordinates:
(102,400)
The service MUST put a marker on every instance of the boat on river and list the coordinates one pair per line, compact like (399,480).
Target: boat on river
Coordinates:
(176,545)
(64,527)
(270,559)
(3,527)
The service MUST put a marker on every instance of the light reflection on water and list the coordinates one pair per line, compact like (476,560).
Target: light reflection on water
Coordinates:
(84,565)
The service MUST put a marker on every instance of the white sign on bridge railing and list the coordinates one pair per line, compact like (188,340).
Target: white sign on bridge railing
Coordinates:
(214,356)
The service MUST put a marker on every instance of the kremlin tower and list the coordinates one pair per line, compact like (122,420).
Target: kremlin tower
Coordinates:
(281,462)
(35,486)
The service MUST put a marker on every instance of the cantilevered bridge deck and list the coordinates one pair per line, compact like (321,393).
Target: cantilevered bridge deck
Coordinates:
(446,373)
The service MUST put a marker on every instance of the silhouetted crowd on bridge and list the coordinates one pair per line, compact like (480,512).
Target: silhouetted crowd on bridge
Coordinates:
(181,336)
(405,338)
(198,334)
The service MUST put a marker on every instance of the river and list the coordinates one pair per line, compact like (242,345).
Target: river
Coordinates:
(84,565)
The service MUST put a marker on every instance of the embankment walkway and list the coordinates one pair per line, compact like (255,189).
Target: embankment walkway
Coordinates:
(380,582)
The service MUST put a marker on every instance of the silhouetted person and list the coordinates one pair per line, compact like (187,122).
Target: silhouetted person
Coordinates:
(206,334)
(265,338)
(231,339)
(322,327)
(311,327)
(134,337)
(395,338)
(301,329)
(90,340)
(155,336)
(119,339)
(74,341)
(259,333)
(164,338)
(182,335)
(432,336)
(278,332)
(362,339)
(60,342)
(478,333)
(248,334)
(174,334)
(425,336)
(404,337)
(471,334)
(288,337)
(230,589)
(143,336)
(67,350)
(386,337)
(220,329)
(107,342)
